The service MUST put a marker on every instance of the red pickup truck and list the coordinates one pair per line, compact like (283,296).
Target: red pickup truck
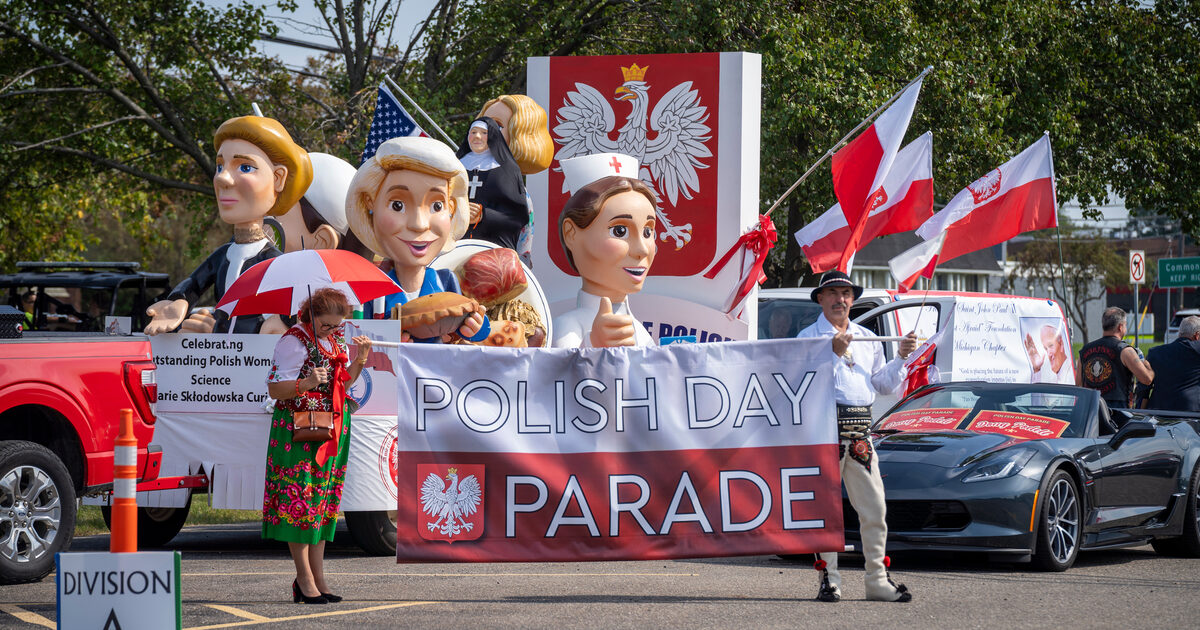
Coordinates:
(61,394)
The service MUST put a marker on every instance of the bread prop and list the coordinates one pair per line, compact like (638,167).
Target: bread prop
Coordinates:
(493,277)
(506,334)
(435,314)
(521,311)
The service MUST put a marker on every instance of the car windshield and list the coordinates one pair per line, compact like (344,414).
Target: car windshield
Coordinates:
(1018,411)
(782,318)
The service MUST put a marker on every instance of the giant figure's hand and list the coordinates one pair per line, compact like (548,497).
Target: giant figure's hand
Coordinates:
(273,326)
(202,321)
(471,325)
(610,329)
(165,316)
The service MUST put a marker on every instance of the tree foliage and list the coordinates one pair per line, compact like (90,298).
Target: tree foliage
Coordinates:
(89,87)
(1075,271)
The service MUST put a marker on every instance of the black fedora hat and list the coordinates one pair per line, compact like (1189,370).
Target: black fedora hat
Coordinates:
(835,278)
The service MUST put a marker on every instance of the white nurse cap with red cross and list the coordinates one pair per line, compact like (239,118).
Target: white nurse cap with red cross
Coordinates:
(585,169)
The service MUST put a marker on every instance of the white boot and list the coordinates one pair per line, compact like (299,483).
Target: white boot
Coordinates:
(881,588)
(830,589)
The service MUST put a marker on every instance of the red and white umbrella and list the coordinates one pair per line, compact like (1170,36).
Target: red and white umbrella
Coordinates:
(281,284)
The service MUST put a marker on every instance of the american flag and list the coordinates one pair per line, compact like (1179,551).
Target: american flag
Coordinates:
(391,121)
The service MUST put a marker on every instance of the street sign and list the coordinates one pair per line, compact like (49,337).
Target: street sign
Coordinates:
(1137,266)
(1179,272)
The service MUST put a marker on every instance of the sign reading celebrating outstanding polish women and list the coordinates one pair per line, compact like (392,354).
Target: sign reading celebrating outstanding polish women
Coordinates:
(687,450)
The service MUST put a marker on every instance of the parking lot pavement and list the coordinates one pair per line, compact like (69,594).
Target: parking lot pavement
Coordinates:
(233,579)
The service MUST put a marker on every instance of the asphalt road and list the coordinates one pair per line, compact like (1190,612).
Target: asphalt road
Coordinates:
(231,578)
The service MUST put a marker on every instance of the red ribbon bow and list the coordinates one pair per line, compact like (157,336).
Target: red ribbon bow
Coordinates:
(341,376)
(758,241)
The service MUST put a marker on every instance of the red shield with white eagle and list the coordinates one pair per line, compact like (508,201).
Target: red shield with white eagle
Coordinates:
(450,501)
(660,109)
(985,187)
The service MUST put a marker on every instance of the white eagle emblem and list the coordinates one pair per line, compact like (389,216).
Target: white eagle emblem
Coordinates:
(669,161)
(450,505)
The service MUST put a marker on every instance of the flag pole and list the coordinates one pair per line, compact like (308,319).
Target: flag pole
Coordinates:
(845,138)
(408,98)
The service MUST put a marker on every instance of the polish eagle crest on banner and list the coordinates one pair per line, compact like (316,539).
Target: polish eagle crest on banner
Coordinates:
(450,502)
(669,160)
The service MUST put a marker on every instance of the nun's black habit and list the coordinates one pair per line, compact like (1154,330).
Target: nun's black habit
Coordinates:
(495,184)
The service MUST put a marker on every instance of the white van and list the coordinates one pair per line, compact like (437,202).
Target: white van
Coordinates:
(793,309)
(985,337)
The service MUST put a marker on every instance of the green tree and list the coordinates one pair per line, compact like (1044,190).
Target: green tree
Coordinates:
(1075,271)
(93,88)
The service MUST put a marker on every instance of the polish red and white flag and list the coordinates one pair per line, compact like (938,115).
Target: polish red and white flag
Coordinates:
(860,168)
(1015,198)
(908,202)
(917,262)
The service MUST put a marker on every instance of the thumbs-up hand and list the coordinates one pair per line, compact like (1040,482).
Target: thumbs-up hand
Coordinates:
(611,329)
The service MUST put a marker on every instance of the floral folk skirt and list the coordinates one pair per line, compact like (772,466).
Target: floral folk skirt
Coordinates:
(301,500)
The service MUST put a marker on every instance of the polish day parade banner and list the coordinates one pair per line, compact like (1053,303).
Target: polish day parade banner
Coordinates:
(692,121)
(687,450)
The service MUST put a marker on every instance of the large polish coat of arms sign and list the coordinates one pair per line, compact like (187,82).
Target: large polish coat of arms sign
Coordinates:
(661,111)
(451,502)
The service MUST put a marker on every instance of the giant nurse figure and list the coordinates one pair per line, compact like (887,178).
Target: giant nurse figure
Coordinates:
(260,171)
(408,203)
(607,233)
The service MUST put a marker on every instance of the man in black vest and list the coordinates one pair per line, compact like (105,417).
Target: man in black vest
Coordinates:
(1176,368)
(1108,362)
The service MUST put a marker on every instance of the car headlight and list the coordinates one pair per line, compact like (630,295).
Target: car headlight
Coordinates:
(1006,463)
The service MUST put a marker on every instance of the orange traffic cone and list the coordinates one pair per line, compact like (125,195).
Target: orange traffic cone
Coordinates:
(123,538)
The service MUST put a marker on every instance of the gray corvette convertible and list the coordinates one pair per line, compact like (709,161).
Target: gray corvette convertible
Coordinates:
(1035,472)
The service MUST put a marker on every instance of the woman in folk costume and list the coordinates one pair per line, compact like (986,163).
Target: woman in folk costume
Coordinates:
(311,372)
(494,182)
(607,233)
(408,203)
(260,171)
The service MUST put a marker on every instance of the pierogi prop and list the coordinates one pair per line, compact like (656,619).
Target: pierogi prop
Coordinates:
(435,314)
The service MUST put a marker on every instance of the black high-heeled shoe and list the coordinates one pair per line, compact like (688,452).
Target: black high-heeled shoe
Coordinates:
(331,598)
(299,596)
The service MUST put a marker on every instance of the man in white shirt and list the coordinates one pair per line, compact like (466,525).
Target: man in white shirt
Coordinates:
(859,372)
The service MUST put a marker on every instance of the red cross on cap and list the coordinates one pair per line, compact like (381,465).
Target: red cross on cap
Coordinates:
(585,169)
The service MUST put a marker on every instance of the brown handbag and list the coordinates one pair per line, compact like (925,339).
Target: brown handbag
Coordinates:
(312,426)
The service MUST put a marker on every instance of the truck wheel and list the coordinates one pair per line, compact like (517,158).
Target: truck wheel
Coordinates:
(157,526)
(37,511)
(375,532)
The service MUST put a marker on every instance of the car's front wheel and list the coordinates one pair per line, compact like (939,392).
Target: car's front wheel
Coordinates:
(1059,524)
(37,511)
(1187,544)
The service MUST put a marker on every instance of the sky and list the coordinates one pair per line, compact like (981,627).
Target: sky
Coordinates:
(302,24)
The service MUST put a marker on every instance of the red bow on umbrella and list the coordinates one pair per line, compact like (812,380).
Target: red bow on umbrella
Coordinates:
(758,242)
(280,284)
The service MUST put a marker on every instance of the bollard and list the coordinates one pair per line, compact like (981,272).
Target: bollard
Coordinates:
(123,538)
